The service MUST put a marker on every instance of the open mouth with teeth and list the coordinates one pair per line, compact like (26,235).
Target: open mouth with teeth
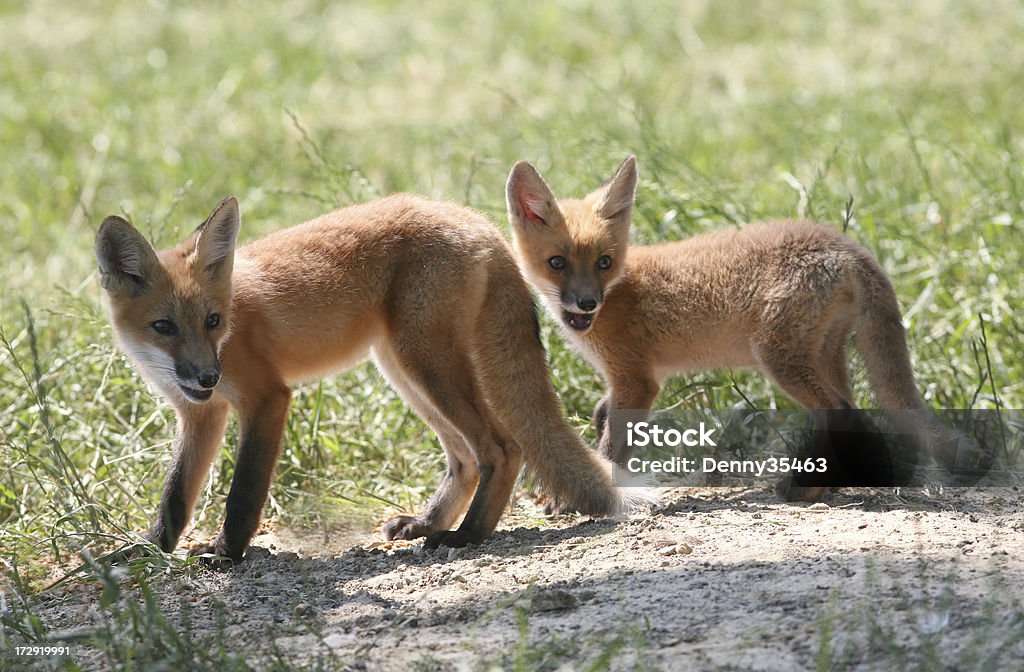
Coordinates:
(196,395)
(578,321)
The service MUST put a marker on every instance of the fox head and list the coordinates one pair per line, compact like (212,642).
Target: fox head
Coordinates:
(573,251)
(171,310)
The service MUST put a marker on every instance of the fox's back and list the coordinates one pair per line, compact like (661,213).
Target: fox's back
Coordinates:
(707,295)
(402,227)
(304,286)
(722,272)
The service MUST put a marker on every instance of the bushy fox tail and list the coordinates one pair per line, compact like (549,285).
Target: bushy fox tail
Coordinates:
(882,342)
(514,377)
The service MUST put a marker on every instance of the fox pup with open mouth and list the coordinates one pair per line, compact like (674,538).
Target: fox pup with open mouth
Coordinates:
(781,296)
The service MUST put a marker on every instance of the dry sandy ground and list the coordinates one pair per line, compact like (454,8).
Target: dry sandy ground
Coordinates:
(713,579)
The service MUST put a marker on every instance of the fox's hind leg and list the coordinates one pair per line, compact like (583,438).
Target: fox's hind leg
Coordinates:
(798,374)
(601,415)
(442,374)
(634,389)
(461,477)
(833,362)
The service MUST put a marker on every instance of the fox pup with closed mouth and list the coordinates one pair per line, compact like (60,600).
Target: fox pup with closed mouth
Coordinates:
(431,289)
(781,296)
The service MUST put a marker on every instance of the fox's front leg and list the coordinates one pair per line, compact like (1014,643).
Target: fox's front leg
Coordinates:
(262,426)
(634,393)
(601,415)
(199,432)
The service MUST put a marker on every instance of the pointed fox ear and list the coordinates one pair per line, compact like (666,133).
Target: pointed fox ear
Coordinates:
(613,201)
(529,200)
(126,259)
(216,237)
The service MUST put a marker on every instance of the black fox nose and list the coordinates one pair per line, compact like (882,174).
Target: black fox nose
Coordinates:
(586,304)
(208,379)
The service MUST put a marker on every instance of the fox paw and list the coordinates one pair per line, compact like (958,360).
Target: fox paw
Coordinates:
(407,527)
(215,556)
(451,539)
(972,460)
(799,493)
(556,507)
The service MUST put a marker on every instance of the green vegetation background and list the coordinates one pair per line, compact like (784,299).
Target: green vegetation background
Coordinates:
(737,111)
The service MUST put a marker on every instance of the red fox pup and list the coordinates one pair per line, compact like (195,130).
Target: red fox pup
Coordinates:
(430,289)
(781,296)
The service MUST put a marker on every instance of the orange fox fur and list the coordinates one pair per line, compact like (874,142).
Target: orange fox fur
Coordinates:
(780,296)
(431,289)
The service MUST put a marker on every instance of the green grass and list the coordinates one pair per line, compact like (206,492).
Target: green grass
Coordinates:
(157,110)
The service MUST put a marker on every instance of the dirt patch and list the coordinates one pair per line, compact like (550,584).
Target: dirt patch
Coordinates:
(716,578)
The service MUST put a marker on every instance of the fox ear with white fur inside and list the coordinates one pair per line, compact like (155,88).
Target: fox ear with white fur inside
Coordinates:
(215,244)
(613,201)
(125,258)
(529,199)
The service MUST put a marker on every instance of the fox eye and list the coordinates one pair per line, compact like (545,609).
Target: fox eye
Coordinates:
(604,262)
(212,321)
(557,263)
(165,327)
